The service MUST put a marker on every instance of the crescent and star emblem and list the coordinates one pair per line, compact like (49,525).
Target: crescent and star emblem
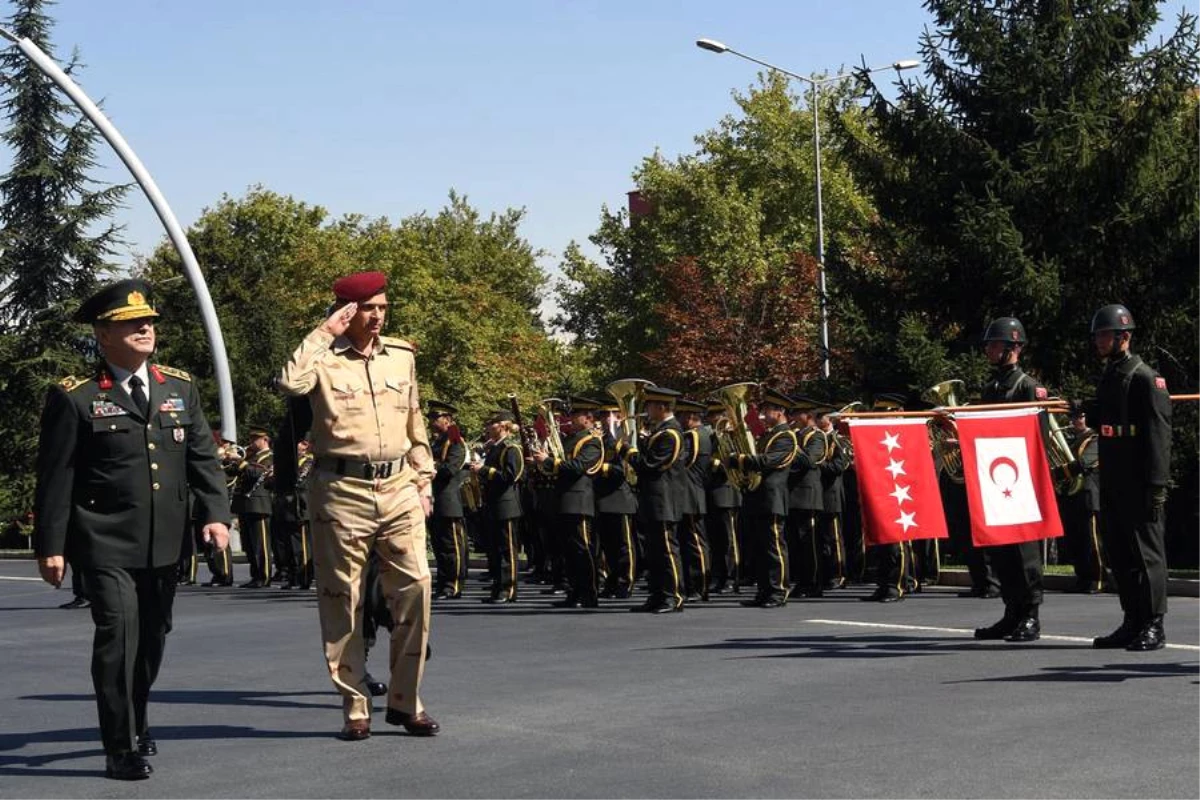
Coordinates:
(1004,461)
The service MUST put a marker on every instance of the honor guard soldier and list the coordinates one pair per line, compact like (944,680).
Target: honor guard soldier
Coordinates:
(447,523)
(616,505)
(805,498)
(697,460)
(1018,566)
(1080,510)
(118,453)
(372,493)
(1133,416)
(893,561)
(253,505)
(500,473)
(767,503)
(293,466)
(829,521)
(724,503)
(659,476)
(582,458)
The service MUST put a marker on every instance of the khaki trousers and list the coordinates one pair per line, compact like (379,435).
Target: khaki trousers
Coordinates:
(349,517)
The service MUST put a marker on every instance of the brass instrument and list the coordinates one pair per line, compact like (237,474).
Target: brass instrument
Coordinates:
(734,437)
(943,431)
(841,439)
(546,412)
(471,490)
(629,393)
(1067,479)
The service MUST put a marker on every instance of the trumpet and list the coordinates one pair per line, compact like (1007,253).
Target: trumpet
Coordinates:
(628,393)
(943,431)
(734,437)
(231,452)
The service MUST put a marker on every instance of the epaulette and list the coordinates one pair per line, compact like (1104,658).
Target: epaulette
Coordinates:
(71,383)
(392,341)
(174,373)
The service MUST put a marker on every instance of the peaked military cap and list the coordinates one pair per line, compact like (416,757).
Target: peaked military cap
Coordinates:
(439,409)
(774,397)
(500,416)
(128,299)
(360,286)
(255,431)
(714,407)
(661,394)
(803,403)
(889,401)
(691,406)
(578,403)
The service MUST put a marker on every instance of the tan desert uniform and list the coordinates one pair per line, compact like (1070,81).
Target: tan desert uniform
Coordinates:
(372,463)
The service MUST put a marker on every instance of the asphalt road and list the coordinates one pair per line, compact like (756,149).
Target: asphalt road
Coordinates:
(823,698)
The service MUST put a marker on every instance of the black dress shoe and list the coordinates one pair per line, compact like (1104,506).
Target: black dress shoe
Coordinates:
(78,602)
(566,602)
(622,594)
(1150,637)
(810,591)
(773,602)
(146,746)
(417,724)
(1118,639)
(255,584)
(1028,629)
(593,602)
(495,600)
(998,631)
(376,688)
(753,602)
(667,608)
(127,767)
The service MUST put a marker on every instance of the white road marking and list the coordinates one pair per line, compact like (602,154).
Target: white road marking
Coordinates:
(17,578)
(969,631)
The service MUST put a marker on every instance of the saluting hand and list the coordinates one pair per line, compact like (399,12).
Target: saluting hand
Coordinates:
(53,568)
(340,320)
(216,534)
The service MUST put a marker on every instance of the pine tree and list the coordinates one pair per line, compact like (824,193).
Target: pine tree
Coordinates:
(54,242)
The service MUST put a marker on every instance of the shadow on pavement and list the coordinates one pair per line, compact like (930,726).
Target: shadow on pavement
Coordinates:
(215,697)
(865,646)
(1106,673)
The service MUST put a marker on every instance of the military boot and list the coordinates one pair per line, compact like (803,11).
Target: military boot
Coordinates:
(1003,628)
(1150,637)
(1028,627)
(1119,638)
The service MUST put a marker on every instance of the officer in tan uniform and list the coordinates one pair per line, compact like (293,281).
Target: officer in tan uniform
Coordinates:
(371,491)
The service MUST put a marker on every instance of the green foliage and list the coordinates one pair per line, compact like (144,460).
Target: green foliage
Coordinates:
(54,242)
(740,207)
(463,289)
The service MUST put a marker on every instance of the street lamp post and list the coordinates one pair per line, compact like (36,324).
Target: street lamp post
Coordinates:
(815,83)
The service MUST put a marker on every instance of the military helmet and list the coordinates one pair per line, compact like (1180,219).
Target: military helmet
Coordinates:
(1005,329)
(1113,318)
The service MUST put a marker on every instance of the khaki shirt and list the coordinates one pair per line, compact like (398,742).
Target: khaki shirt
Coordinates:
(364,409)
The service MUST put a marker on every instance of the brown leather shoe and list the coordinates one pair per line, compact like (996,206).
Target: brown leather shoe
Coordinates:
(417,724)
(355,730)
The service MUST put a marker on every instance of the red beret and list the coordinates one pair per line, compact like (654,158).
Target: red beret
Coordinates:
(360,286)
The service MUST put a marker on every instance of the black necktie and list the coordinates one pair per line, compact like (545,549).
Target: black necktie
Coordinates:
(139,395)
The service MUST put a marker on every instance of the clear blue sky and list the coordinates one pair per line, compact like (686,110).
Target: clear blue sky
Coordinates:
(382,106)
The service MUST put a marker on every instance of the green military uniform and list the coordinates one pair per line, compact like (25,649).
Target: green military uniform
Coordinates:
(723,501)
(1081,513)
(805,503)
(501,474)
(113,476)
(583,457)
(447,525)
(693,533)
(253,504)
(616,505)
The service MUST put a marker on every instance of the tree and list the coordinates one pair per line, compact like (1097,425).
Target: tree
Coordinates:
(735,212)
(463,289)
(54,243)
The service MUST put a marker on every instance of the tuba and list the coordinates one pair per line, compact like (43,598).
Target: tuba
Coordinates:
(628,392)
(547,419)
(1067,478)
(734,437)
(943,432)
(841,433)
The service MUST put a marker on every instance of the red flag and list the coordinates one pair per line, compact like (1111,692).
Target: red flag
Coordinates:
(1009,490)
(897,484)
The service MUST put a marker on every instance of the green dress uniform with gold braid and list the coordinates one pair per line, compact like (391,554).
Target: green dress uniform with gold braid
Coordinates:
(583,457)
(659,472)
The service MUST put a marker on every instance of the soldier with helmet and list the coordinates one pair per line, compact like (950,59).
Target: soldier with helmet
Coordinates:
(1018,566)
(1133,416)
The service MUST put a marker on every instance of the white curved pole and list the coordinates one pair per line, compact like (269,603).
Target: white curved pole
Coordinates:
(212,326)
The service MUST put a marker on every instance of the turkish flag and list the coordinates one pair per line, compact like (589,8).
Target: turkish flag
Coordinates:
(1009,490)
(897,483)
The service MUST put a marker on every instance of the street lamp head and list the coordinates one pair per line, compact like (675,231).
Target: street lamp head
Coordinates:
(907,64)
(711,44)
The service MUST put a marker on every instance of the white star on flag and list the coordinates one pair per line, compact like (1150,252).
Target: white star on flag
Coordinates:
(891,441)
(895,467)
(902,493)
(907,520)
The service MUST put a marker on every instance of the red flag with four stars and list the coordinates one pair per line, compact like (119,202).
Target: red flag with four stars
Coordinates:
(1009,490)
(897,483)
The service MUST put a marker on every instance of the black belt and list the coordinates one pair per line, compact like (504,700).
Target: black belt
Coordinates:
(367,470)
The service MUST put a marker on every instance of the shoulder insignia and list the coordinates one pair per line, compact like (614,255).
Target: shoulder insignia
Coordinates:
(174,373)
(1040,392)
(71,383)
(392,341)
(1159,382)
